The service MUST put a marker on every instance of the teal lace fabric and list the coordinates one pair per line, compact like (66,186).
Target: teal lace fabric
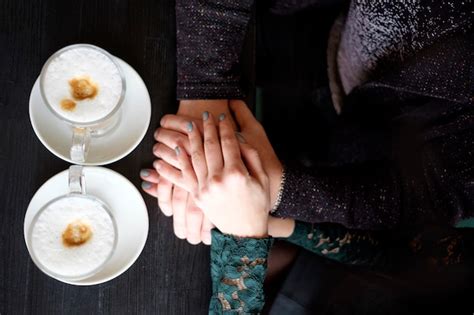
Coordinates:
(238,269)
(238,265)
(335,242)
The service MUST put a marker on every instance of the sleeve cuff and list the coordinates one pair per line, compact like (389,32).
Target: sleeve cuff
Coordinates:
(238,269)
(289,196)
(301,230)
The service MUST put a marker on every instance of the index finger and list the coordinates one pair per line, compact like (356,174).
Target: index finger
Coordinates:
(229,143)
(180,123)
(212,148)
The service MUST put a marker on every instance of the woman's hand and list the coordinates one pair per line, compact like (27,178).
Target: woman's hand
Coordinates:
(227,179)
(254,134)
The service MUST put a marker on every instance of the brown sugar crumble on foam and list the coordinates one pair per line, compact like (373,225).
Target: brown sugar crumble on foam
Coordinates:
(67,104)
(76,234)
(83,88)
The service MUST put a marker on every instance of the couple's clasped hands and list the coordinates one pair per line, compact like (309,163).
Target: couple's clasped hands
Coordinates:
(208,175)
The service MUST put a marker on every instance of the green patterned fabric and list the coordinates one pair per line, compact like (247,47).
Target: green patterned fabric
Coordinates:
(335,242)
(238,265)
(238,269)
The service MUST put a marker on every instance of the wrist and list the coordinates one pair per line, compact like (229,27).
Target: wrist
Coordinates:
(250,230)
(195,108)
(281,227)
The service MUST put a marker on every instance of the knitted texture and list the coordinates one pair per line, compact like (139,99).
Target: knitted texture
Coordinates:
(210,36)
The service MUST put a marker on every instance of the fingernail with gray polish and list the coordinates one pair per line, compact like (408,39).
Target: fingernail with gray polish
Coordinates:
(144,173)
(189,126)
(177,150)
(221,117)
(205,116)
(146,185)
(240,137)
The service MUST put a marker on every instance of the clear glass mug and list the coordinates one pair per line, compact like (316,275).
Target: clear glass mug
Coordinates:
(77,189)
(83,131)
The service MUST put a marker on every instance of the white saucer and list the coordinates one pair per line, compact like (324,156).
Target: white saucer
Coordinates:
(136,113)
(126,204)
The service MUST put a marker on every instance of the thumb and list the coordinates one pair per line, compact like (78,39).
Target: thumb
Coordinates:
(242,113)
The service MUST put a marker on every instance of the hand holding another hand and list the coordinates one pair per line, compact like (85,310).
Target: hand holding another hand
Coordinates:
(226,178)
(188,219)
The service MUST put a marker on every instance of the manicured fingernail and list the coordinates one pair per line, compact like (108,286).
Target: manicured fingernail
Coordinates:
(177,150)
(205,116)
(157,164)
(144,173)
(240,137)
(146,185)
(221,117)
(189,126)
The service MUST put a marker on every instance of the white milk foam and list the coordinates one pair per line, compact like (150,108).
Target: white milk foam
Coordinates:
(78,63)
(74,261)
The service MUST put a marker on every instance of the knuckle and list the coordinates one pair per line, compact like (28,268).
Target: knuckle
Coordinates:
(210,142)
(227,139)
(215,180)
(196,154)
(234,172)
(236,175)
(179,199)
(156,148)
(164,119)
(193,210)
(158,133)
(253,153)
(176,139)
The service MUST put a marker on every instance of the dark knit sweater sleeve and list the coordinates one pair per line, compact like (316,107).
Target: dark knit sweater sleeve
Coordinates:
(209,38)
(365,198)
(428,179)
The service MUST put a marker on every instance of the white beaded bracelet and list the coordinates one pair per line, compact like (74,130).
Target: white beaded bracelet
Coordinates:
(280,190)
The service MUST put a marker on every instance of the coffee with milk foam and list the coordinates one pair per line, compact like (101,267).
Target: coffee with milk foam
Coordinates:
(82,85)
(73,236)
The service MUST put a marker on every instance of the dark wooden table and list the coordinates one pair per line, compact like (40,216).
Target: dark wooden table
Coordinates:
(170,276)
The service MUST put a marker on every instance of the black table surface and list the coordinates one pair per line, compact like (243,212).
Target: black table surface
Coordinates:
(170,276)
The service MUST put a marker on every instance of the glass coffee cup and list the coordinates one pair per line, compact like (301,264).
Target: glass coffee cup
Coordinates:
(72,237)
(84,87)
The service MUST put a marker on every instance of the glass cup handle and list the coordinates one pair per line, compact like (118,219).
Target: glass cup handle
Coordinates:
(77,182)
(81,138)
